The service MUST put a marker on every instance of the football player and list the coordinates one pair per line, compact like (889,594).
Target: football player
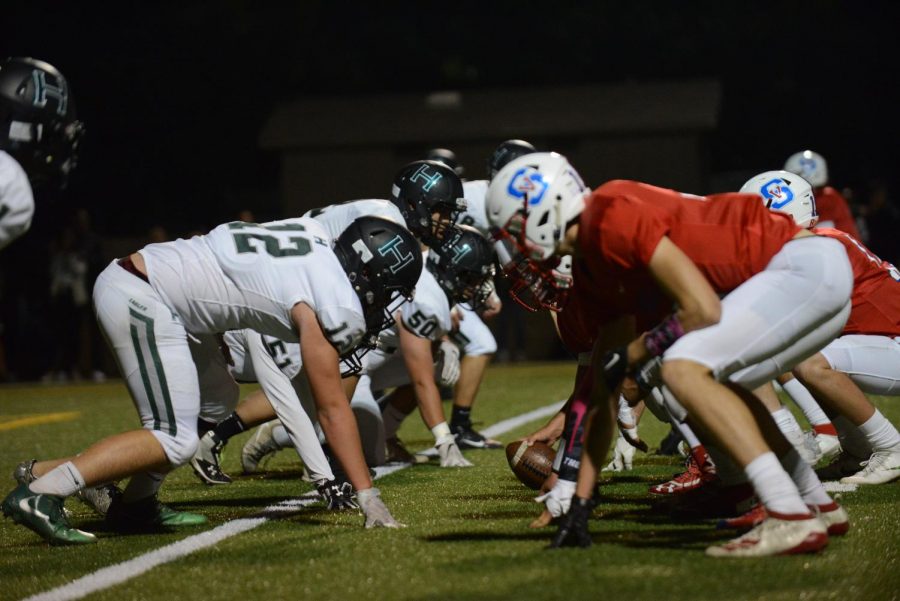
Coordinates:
(832,208)
(864,359)
(635,239)
(39,136)
(458,271)
(473,336)
(425,195)
(280,278)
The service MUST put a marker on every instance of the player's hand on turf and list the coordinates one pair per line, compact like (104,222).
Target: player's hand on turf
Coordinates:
(559,498)
(630,433)
(623,456)
(446,367)
(573,528)
(376,512)
(337,495)
(450,454)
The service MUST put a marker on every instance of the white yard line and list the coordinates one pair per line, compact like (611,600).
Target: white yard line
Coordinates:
(121,572)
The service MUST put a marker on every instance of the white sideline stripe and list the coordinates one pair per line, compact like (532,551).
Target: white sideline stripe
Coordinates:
(121,572)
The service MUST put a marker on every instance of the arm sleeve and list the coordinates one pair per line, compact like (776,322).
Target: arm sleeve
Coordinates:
(280,392)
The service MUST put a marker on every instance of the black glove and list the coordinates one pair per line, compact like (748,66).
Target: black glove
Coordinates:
(573,528)
(615,364)
(337,494)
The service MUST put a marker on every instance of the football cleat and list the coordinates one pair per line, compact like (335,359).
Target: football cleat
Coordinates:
(692,478)
(711,501)
(777,534)
(397,452)
(44,515)
(882,467)
(843,465)
(805,445)
(829,445)
(832,515)
(467,438)
(148,515)
(260,447)
(23,473)
(206,460)
(99,497)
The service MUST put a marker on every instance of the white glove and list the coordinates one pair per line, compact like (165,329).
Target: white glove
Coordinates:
(559,498)
(450,454)
(623,456)
(446,368)
(376,512)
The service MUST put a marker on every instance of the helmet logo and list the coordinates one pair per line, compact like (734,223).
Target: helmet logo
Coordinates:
(395,248)
(527,183)
(776,193)
(430,179)
(42,90)
(808,166)
(459,252)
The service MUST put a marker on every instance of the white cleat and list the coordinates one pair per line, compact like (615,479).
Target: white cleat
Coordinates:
(882,467)
(829,446)
(805,444)
(777,535)
(261,445)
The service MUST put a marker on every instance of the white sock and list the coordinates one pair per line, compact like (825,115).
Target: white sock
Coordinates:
(852,439)
(142,486)
(880,433)
(808,484)
(62,481)
(281,436)
(786,421)
(808,405)
(392,417)
(773,486)
(687,434)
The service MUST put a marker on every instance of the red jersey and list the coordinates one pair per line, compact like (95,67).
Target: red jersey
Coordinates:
(729,237)
(834,211)
(875,301)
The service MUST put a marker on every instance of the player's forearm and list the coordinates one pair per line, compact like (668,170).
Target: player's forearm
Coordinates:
(428,398)
(339,426)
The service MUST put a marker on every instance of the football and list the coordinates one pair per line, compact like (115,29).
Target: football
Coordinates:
(532,463)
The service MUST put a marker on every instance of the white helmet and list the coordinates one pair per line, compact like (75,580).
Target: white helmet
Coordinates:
(533,198)
(787,193)
(810,166)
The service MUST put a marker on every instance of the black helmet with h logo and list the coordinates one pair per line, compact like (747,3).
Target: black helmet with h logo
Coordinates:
(383,262)
(38,125)
(423,188)
(463,265)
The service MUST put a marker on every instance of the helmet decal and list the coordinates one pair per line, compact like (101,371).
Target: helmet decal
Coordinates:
(529,184)
(42,90)
(808,165)
(460,251)
(431,179)
(776,193)
(395,248)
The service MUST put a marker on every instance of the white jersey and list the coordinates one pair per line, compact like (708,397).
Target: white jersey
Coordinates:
(247,275)
(427,316)
(16,200)
(475,214)
(336,218)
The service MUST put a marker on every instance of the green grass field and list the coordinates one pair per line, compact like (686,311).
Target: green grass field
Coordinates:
(467,534)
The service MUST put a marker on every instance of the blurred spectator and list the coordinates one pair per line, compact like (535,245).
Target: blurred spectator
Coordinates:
(882,219)
(69,296)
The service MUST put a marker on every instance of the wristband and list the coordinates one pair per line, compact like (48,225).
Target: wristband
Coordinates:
(663,336)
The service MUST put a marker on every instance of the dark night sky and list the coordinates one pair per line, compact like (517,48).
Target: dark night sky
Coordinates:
(174,94)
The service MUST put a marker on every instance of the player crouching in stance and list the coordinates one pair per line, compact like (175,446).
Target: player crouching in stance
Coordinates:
(786,295)
(280,278)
